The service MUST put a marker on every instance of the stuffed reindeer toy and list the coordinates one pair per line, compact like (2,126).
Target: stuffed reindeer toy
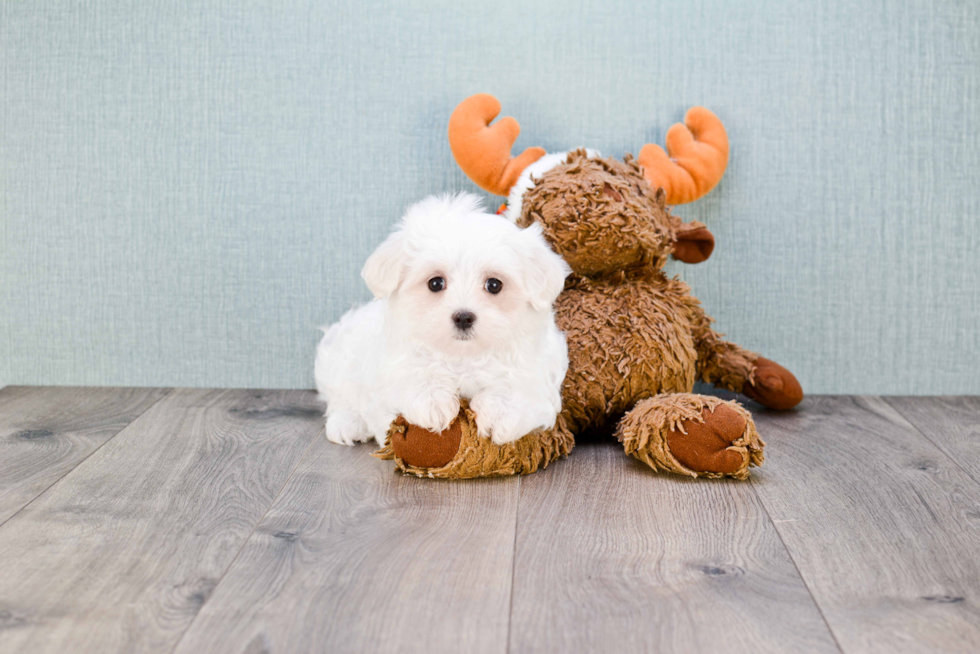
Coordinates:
(637,339)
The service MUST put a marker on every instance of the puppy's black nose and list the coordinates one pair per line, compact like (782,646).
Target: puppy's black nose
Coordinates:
(464,319)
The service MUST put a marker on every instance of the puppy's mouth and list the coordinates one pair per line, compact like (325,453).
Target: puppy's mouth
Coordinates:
(463,335)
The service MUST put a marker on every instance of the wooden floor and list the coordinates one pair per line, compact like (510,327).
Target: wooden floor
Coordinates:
(159,520)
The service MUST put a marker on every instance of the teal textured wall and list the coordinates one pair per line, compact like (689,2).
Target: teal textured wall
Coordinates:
(189,189)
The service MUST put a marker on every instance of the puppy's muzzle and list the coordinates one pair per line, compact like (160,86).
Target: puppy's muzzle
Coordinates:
(464,320)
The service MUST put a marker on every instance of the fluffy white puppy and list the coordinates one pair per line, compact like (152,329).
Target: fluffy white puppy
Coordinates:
(463,309)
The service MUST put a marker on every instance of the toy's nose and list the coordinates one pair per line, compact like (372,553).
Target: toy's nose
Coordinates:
(464,319)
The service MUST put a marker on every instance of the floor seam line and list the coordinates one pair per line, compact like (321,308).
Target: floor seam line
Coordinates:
(513,566)
(932,442)
(246,540)
(86,458)
(799,573)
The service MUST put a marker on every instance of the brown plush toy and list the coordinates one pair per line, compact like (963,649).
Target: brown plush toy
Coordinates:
(637,340)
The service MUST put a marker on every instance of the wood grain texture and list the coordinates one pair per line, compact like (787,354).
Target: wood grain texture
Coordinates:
(353,557)
(121,554)
(883,526)
(951,423)
(201,527)
(45,432)
(613,557)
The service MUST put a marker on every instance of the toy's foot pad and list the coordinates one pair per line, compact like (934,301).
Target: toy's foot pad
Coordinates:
(773,386)
(425,449)
(704,448)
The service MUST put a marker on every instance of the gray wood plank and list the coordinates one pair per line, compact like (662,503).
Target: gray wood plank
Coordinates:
(45,432)
(120,555)
(353,557)
(883,526)
(951,423)
(612,557)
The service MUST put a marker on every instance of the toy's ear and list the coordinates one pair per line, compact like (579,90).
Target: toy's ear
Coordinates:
(693,243)
(383,270)
(544,271)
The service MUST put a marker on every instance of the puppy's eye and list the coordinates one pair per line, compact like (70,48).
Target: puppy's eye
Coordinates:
(437,284)
(494,285)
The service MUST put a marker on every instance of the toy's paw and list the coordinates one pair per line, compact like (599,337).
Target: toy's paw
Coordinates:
(704,446)
(692,435)
(422,448)
(459,453)
(433,412)
(773,386)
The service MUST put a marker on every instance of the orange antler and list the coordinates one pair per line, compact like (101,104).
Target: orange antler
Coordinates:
(482,151)
(697,160)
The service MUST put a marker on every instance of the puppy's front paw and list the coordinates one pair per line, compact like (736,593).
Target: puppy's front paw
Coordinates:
(498,418)
(345,428)
(434,412)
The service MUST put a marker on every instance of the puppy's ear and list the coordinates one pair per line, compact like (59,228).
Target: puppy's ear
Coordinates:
(383,270)
(544,271)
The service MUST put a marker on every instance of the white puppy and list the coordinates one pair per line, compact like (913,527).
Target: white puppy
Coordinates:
(463,309)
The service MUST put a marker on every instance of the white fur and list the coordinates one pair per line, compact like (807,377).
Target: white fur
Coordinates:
(529,176)
(402,353)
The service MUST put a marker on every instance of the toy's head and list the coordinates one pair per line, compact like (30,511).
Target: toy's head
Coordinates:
(601,215)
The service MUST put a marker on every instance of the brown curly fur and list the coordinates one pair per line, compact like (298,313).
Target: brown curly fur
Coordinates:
(596,214)
(623,237)
(645,433)
(625,343)
(480,457)
(637,340)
